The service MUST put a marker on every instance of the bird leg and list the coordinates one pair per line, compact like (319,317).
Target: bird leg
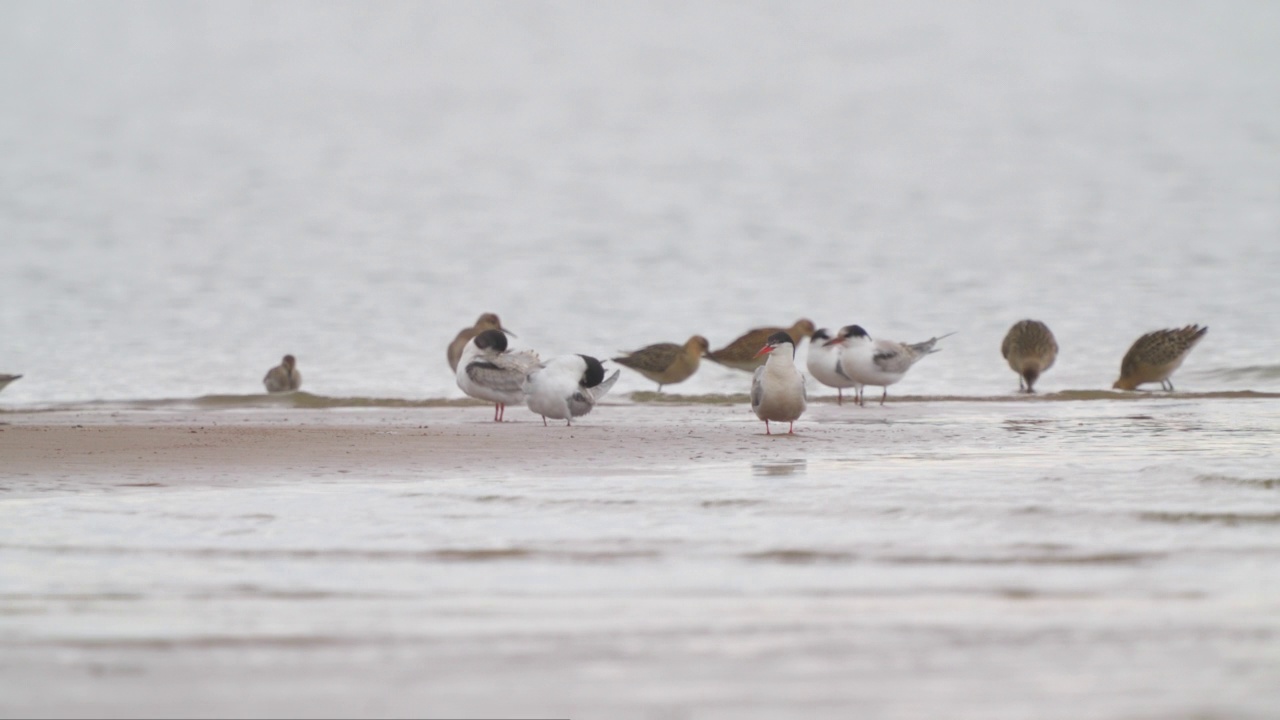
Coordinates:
(544,421)
(839,396)
(884,395)
(766,428)
(791,428)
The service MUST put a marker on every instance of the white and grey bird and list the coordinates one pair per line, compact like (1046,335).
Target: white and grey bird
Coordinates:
(777,389)
(823,363)
(487,371)
(284,377)
(879,363)
(567,387)
(6,379)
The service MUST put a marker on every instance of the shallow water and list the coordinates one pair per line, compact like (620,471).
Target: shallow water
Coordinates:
(191,191)
(1069,559)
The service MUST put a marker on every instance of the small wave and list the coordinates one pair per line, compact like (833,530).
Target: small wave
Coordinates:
(260,401)
(1241,374)
(1201,518)
(800,557)
(448,555)
(809,557)
(649,397)
(1261,483)
(309,401)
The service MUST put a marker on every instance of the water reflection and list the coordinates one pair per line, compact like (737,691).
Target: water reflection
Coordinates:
(779,468)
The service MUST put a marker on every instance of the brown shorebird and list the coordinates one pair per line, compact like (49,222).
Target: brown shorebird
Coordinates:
(6,379)
(667,363)
(1030,349)
(283,377)
(742,353)
(1155,356)
(487,321)
(777,389)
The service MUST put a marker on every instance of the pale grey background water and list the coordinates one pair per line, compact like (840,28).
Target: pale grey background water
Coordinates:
(187,191)
(190,191)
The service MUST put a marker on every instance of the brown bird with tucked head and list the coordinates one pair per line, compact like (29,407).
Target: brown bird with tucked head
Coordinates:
(1155,356)
(487,321)
(283,377)
(667,363)
(742,353)
(1030,349)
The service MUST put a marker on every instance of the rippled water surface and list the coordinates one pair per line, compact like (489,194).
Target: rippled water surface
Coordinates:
(190,191)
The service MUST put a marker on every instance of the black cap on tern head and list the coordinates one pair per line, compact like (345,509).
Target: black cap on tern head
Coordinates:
(819,334)
(594,374)
(854,331)
(780,337)
(492,340)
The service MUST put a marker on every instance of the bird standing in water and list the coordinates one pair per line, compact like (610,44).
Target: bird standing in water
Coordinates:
(1155,356)
(667,363)
(1030,349)
(283,377)
(741,353)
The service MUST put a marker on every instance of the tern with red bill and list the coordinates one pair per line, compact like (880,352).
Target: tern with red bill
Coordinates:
(824,362)
(777,389)
(878,362)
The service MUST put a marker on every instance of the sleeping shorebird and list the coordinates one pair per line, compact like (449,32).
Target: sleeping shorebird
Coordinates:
(283,377)
(741,353)
(487,321)
(1155,356)
(878,362)
(777,389)
(6,379)
(567,387)
(1030,349)
(824,363)
(486,371)
(667,363)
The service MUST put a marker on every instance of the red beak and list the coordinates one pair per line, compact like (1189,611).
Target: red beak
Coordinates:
(764,350)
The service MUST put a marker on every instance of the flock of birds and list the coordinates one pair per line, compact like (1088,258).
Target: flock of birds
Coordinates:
(569,386)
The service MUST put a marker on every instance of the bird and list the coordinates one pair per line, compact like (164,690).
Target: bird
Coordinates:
(864,361)
(1030,349)
(487,321)
(567,386)
(824,363)
(777,388)
(1155,356)
(487,371)
(667,363)
(741,353)
(6,379)
(283,377)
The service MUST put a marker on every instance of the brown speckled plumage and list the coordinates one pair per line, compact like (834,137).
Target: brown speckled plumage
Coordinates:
(741,353)
(1155,356)
(283,377)
(1030,349)
(487,321)
(667,363)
